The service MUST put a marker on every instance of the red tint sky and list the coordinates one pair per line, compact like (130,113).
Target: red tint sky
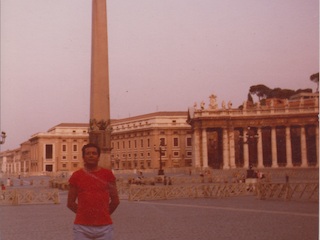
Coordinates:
(163,56)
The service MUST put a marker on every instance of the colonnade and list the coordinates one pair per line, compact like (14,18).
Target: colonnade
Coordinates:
(230,137)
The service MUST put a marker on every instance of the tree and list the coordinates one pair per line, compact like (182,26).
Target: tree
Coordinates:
(315,78)
(249,98)
(264,92)
(260,90)
(281,93)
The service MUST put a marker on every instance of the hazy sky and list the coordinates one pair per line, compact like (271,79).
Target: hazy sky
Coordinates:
(164,55)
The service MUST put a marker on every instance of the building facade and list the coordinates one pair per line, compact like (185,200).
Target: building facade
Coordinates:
(135,141)
(281,133)
(133,144)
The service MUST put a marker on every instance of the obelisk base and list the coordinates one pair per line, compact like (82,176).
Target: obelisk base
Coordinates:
(102,139)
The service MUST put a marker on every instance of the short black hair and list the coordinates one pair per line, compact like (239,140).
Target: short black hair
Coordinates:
(90,145)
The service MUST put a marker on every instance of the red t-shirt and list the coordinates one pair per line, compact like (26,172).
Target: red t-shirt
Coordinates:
(93,196)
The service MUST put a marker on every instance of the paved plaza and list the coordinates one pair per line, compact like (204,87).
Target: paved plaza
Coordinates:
(241,218)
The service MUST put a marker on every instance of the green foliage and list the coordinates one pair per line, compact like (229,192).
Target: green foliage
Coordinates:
(264,92)
(260,90)
(315,77)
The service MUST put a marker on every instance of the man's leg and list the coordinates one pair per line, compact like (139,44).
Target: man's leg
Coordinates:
(104,233)
(81,232)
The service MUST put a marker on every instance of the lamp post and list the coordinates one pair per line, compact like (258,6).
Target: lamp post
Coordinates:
(118,162)
(135,161)
(161,150)
(125,161)
(3,137)
(249,138)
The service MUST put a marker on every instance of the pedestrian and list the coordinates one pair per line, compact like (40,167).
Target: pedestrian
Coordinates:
(3,189)
(164,180)
(8,182)
(93,197)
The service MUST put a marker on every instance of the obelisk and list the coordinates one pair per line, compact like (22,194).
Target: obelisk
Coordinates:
(100,129)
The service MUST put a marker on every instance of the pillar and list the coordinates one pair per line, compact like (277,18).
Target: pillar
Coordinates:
(303,140)
(317,144)
(100,129)
(231,149)
(245,148)
(225,148)
(274,148)
(260,148)
(196,148)
(204,148)
(288,147)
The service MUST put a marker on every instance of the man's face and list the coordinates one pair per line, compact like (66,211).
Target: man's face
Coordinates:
(91,156)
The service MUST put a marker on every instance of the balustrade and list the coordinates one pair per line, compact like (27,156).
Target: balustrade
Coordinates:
(29,196)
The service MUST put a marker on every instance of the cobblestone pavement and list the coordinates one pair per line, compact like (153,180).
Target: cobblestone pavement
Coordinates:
(241,218)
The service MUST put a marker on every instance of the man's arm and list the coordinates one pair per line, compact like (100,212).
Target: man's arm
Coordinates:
(72,197)
(114,198)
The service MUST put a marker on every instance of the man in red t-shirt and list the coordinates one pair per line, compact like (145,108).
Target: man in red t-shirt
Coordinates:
(93,197)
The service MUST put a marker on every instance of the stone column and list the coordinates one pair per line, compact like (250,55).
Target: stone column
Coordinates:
(100,129)
(225,148)
(274,148)
(288,147)
(304,160)
(260,148)
(204,148)
(231,149)
(245,149)
(317,144)
(196,148)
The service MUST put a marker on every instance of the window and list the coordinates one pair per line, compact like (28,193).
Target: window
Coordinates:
(129,144)
(49,151)
(148,142)
(176,154)
(49,168)
(64,148)
(141,143)
(162,141)
(176,142)
(75,147)
(189,142)
(135,143)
